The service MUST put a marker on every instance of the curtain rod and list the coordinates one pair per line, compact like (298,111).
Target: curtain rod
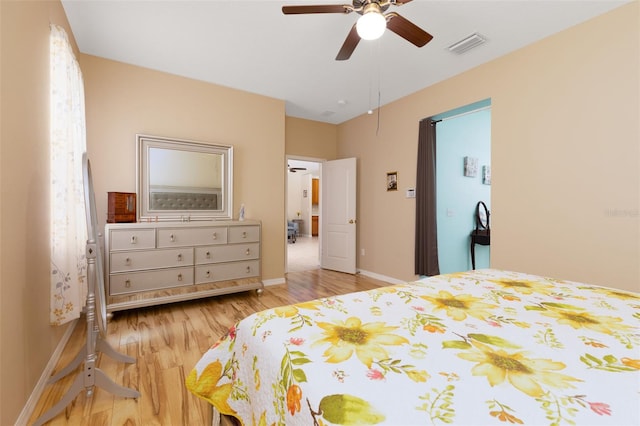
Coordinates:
(463,113)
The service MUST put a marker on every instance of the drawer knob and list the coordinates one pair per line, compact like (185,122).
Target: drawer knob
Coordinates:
(127,261)
(179,277)
(208,274)
(127,283)
(248,269)
(244,235)
(214,235)
(134,239)
(172,238)
(248,252)
(179,257)
(208,255)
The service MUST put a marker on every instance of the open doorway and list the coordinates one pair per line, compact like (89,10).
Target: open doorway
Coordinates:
(302,213)
(463,152)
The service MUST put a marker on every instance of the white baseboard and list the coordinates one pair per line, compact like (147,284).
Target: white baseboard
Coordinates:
(381,277)
(30,406)
(274,281)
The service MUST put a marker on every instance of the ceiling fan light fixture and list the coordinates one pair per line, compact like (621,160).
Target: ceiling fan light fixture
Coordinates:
(372,23)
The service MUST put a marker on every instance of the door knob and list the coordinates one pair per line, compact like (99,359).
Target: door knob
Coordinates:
(352,221)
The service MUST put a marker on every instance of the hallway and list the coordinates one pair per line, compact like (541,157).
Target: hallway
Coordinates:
(303,255)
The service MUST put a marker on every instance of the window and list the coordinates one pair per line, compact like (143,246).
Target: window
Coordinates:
(67,211)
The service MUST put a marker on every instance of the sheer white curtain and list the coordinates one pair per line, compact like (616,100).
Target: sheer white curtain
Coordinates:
(68,143)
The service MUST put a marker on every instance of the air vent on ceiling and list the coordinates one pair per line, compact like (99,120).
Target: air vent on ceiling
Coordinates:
(327,113)
(468,43)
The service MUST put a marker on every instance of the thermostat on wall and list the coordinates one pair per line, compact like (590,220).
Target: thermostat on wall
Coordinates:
(411,193)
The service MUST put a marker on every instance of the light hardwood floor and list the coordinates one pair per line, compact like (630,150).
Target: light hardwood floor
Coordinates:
(167,341)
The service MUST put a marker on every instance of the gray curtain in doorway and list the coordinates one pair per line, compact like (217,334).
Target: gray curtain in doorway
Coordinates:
(426,248)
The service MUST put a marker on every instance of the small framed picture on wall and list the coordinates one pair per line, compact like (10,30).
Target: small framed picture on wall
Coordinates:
(470,166)
(486,175)
(392,181)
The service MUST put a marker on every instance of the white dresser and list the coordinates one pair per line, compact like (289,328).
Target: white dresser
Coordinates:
(154,263)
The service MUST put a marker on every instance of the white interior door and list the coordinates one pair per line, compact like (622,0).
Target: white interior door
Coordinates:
(338,217)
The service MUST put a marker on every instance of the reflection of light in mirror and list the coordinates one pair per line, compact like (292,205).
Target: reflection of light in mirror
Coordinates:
(187,169)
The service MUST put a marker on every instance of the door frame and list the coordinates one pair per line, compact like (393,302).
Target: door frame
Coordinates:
(320,161)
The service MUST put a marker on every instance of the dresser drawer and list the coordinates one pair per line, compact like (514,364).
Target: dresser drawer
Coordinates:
(150,259)
(197,236)
(128,239)
(244,234)
(217,254)
(150,280)
(227,271)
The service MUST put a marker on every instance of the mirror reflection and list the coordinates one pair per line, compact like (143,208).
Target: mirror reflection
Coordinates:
(183,180)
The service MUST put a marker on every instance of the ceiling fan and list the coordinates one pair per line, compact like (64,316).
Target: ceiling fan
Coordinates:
(370,25)
(295,169)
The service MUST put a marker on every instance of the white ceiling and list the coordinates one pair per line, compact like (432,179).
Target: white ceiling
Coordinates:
(252,46)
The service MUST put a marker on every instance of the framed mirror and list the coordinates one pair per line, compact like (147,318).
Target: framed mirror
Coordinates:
(183,180)
(482,216)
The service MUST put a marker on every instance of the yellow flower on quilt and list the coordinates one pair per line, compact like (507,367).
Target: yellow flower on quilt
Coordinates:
(206,387)
(526,375)
(385,290)
(366,340)
(293,310)
(618,294)
(455,276)
(581,319)
(313,305)
(286,311)
(458,307)
(525,286)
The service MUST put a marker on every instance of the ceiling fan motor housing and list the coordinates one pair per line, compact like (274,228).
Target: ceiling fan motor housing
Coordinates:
(364,6)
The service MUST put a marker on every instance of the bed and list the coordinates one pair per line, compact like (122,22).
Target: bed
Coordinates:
(475,348)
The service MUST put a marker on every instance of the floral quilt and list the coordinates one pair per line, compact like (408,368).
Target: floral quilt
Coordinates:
(475,348)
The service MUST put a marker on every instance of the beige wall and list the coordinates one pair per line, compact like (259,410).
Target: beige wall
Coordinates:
(565,162)
(313,139)
(26,339)
(565,157)
(122,100)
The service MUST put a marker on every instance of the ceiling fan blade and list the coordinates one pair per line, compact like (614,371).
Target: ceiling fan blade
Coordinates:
(400,2)
(323,8)
(349,45)
(407,30)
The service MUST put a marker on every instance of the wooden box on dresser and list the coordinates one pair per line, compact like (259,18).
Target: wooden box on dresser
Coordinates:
(151,263)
